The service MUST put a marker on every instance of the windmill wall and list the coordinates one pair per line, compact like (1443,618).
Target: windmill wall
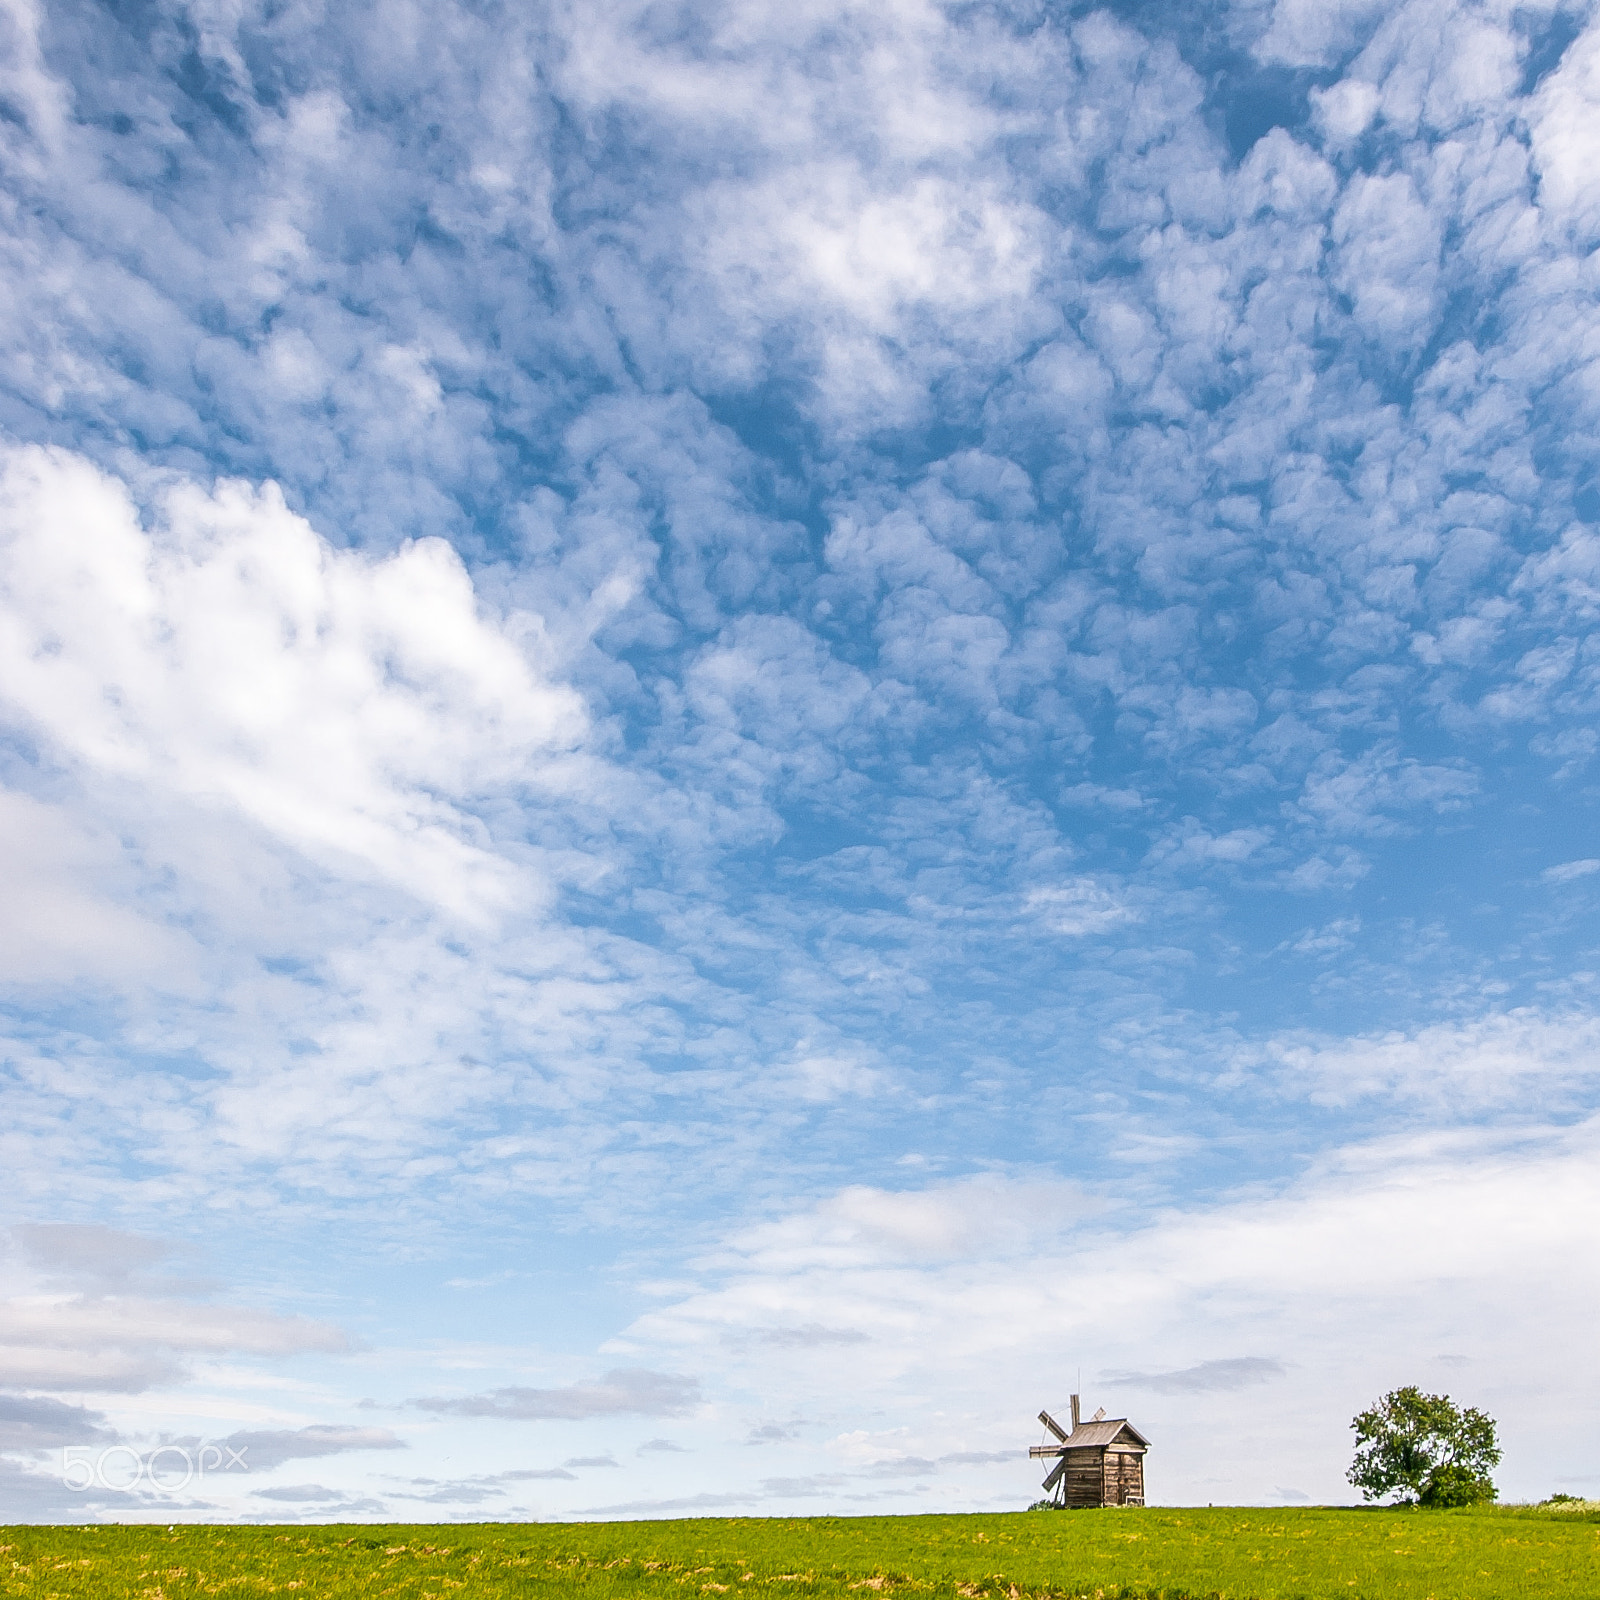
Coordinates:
(1110,1476)
(1100,1463)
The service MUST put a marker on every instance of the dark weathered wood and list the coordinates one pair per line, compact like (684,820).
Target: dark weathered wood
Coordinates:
(1101,1462)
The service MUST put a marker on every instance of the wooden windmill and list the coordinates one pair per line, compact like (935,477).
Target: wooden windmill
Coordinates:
(1098,1463)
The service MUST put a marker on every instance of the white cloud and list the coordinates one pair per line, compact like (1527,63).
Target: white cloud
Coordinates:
(623,1392)
(1523,1058)
(1363,1271)
(35,1422)
(1232,1372)
(1371,795)
(1081,908)
(1212,535)
(57,924)
(1569,871)
(1304,33)
(1192,845)
(859,1226)
(1565,124)
(271,1447)
(227,656)
(1388,257)
(75,1317)
(1344,109)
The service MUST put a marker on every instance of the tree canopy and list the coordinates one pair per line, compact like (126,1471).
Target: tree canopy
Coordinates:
(1426,1449)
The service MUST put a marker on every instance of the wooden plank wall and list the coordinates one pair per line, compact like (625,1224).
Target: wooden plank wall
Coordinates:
(1104,1478)
(1085,1478)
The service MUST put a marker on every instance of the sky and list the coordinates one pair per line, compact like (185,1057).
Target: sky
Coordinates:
(737,738)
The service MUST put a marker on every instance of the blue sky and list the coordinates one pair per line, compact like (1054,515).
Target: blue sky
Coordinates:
(730,734)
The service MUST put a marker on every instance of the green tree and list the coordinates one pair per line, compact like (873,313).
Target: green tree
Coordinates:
(1426,1448)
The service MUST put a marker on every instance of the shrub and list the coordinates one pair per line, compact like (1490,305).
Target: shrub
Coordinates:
(1451,1484)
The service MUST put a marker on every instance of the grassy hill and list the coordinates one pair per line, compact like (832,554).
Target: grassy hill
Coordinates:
(1317,1554)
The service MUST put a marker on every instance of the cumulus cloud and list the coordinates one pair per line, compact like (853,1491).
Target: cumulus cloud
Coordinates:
(1564,141)
(223,653)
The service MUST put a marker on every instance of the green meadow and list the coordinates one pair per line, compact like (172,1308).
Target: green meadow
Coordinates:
(1318,1554)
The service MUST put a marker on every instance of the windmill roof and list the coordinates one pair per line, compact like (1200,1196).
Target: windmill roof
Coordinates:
(1096,1435)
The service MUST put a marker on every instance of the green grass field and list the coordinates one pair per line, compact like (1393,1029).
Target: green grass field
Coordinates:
(1273,1555)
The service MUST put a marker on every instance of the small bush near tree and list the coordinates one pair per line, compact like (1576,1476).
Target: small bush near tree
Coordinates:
(1425,1449)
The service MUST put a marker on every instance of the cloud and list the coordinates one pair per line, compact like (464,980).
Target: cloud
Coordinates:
(900,1467)
(57,924)
(693,1502)
(1564,143)
(1568,871)
(1404,1242)
(624,1391)
(478,1490)
(655,630)
(303,1493)
(37,1422)
(35,1496)
(271,1447)
(982,1216)
(219,652)
(1236,1372)
(88,1255)
(770,1433)
(815,1483)
(810,1336)
(1080,909)
(1362,797)
(109,1326)
(1521,1056)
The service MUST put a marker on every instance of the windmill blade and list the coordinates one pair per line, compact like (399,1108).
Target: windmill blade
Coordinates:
(1055,1474)
(1054,1426)
(1099,1416)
